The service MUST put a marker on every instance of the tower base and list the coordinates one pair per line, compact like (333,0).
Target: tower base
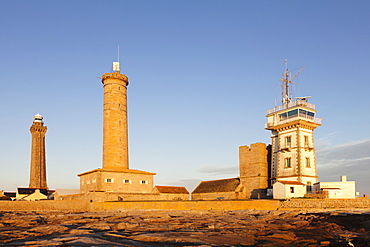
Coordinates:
(118,181)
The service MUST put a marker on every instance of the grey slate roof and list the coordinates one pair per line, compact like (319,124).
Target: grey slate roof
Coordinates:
(223,185)
(29,191)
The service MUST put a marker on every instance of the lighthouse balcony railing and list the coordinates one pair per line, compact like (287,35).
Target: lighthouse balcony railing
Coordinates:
(299,102)
(277,122)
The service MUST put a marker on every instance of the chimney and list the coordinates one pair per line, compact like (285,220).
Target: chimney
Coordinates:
(343,178)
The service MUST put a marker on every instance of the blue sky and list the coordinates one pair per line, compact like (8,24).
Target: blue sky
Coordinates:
(202,75)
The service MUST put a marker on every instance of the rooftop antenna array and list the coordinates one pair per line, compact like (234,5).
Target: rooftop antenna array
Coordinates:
(287,78)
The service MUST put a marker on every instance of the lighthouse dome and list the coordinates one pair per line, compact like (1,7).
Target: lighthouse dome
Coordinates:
(37,118)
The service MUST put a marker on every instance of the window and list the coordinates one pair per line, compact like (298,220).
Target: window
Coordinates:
(308,164)
(126,181)
(143,181)
(306,114)
(289,114)
(109,180)
(82,182)
(88,182)
(94,180)
(309,187)
(291,189)
(288,141)
(306,143)
(288,162)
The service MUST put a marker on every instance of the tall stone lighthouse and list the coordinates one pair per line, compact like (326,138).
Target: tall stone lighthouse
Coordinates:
(292,126)
(115,174)
(38,158)
(115,129)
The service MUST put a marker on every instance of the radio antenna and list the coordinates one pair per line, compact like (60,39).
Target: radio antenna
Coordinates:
(118,53)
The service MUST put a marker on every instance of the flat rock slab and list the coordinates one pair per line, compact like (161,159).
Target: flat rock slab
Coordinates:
(186,228)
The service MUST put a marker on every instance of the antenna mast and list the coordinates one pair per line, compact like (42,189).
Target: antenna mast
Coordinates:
(285,85)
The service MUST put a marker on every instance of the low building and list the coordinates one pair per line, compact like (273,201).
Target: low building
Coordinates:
(7,196)
(31,194)
(252,182)
(171,193)
(337,190)
(218,189)
(122,181)
(288,189)
(157,193)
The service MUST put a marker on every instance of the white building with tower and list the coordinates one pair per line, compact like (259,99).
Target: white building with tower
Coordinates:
(292,126)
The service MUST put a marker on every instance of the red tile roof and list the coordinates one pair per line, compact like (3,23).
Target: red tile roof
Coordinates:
(172,189)
(291,182)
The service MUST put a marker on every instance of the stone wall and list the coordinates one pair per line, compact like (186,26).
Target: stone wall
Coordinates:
(360,202)
(214,196)
(187,205)
(112,196)
(44,205)
(86,206)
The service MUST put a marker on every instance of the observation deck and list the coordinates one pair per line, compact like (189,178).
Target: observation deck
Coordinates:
(299,102)
(295,110)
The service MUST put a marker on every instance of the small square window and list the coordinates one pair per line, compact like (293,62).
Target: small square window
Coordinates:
(109,180)
(88,182)
(126,181)
(143,181)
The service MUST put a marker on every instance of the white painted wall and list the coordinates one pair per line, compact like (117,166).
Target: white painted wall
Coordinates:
(282,191)
(346,190)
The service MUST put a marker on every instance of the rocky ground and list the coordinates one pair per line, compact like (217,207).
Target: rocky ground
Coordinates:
(186,228)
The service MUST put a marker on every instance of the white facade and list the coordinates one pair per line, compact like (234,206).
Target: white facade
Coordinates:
(340,190)
(288,189)
(293,152)
(293,155)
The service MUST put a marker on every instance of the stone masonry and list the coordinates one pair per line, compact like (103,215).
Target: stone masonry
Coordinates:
(38,159)
(115,176)
(115,129)
(253,167)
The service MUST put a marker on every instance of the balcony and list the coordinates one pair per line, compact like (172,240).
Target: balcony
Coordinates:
(299,102)
(297,117)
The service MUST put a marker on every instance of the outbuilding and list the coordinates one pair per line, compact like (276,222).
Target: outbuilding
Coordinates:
(288,189)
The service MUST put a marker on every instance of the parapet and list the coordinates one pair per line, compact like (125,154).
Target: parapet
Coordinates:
(115,75)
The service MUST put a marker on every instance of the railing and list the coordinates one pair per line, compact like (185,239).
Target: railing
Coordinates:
(299,102)
(318,120)
(276,122)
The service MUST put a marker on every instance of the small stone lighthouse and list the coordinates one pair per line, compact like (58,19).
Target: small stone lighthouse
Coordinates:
(115,175)
(38,158)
